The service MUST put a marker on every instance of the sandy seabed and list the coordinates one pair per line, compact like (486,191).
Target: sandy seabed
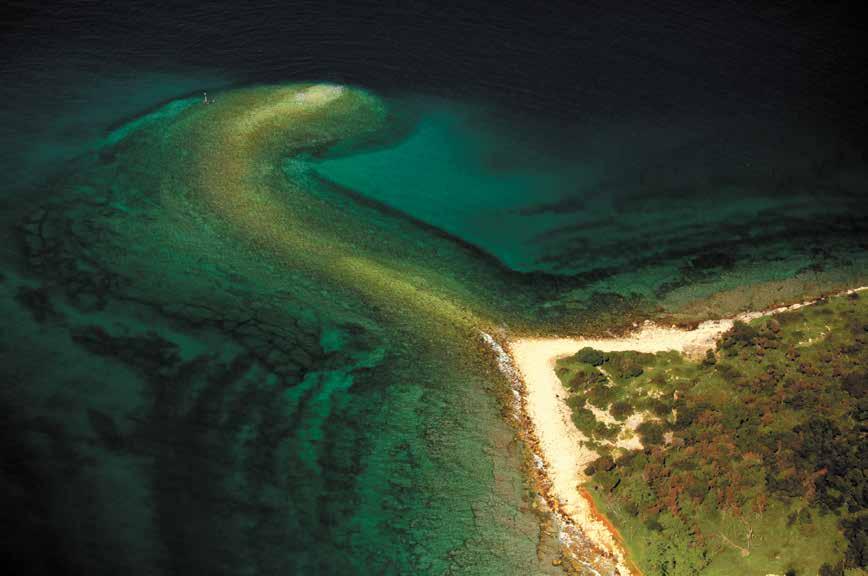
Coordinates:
(560,445)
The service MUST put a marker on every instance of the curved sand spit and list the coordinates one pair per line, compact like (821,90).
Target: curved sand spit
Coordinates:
(560,442)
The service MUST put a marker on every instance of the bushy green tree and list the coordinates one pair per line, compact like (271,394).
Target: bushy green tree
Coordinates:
(621,410)
(651,433)
(590,356)
(739,335)
(585,377)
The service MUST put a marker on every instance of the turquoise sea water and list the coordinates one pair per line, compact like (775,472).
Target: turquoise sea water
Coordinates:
(186,399)
(463,175)
(621,197)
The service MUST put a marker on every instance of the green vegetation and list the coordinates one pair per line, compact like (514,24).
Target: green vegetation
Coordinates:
(753,458)
(590,356)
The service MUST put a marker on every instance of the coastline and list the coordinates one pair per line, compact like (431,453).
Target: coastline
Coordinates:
(557,444)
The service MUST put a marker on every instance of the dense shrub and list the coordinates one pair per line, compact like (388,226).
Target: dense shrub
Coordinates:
(660,408)
(604,463)
(739,336)
(590,356)
(586,377)
(605,431)
(584,420)
(621,410)
(627,365)
(710,359)
(601,396)
(856,385)
(651,433)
